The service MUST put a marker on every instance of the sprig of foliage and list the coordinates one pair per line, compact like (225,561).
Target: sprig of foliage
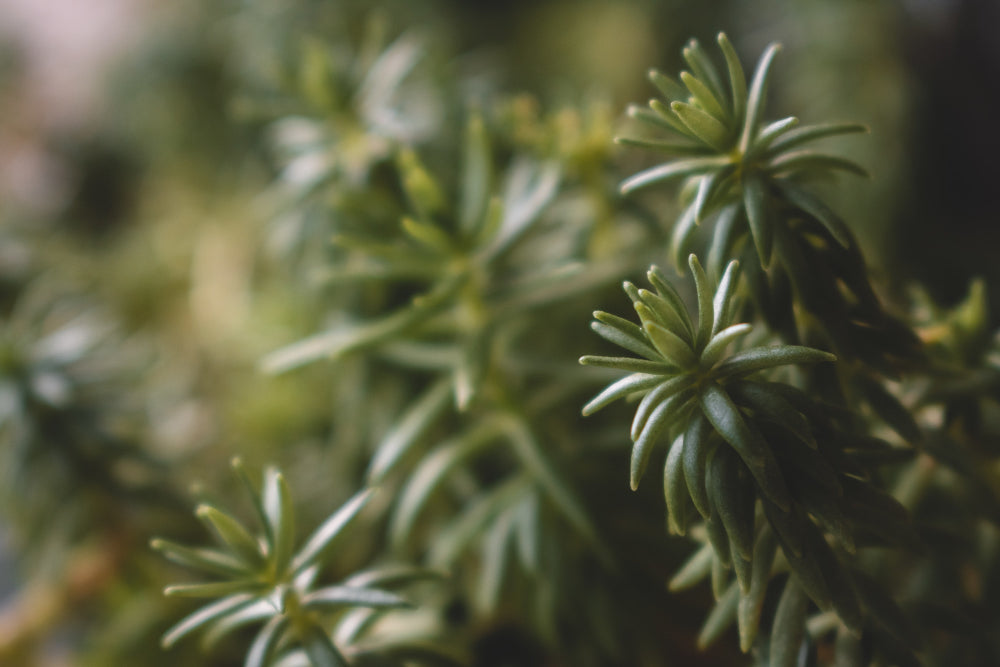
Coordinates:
(738,164)
(265,580)
(736,439)
(750,177)
(685,370)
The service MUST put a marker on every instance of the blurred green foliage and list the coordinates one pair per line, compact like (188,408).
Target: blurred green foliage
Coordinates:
(362,242)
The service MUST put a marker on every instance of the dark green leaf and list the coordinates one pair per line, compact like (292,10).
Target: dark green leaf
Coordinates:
(752,602)
(889,409)
(789,626)
(817,209)
(319,647)
(725,417)
(731,490)
(675,488)
(721,618)
(884,610)
(807,133)
(697,447)
(717,534)
(759,358)
(757,208)
(805,160)
(771,406)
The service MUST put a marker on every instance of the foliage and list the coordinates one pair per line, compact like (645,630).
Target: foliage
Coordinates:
(267,581)
(375,276)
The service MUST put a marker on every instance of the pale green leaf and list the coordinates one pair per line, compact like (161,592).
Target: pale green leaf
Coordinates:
(629,364)
(232,533)
(620,389)
(669,147)
(674,170)
(705,310)
(704,97)
(625,339)
(703,125)
(409,429)
(722,302)
(476,175)
(717,345)
(209,560)
(278,507)
(334,597)
(694,570)
(266,642)
(214,589)
(673,349)
(665,314)
(329,530)
(756,97)
(703,67)
(663,415)
(666,389)
(204,616)
(669,87)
